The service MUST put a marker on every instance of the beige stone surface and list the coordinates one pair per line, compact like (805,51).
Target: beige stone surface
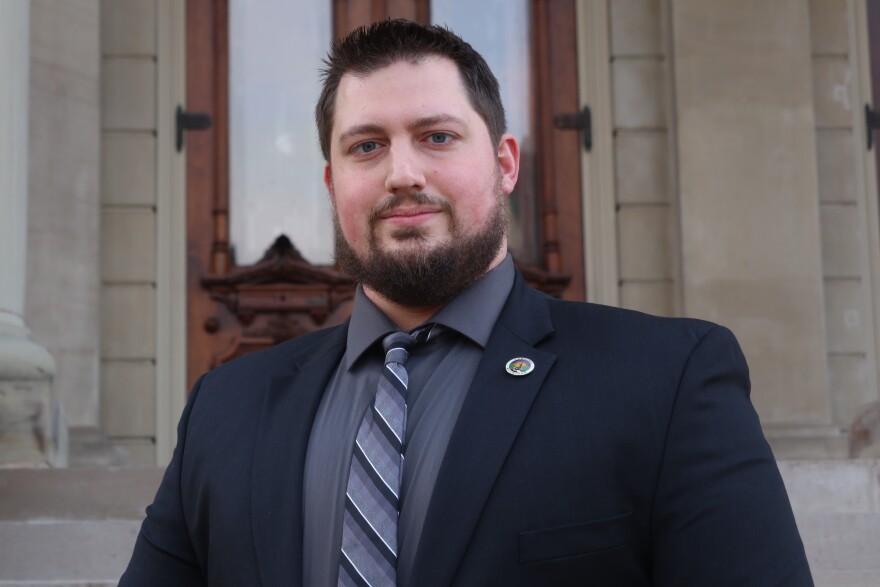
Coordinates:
(846,578)
(128,94)
(651,297)
(76,494)
(76,373)
(829,28)
(799,442)
(851,386)
(642,167)
(128,27)
(635,27)
(846,317)
(32,430)
(137,452)
(837,507)
(65,35)
(645,248)
(128,322)
(63,219)
(128,402)
(128,244)
(832,487)
(749,194)
(14,66)
(128,169)
(845,542)
(785,352)
(842,241)
(66,551)
(639,93)
(834,93)
(838,173)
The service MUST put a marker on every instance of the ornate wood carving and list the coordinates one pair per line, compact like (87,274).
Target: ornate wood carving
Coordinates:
(279,297)
(550,282)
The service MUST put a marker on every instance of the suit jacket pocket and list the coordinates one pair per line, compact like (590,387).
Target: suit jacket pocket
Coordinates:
(577,539)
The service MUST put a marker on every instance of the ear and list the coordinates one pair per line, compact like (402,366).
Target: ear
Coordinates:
(508,162)
(328,180)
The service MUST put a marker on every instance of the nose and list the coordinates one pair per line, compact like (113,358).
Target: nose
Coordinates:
(404,171)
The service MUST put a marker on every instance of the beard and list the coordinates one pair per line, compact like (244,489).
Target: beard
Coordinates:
(424,276)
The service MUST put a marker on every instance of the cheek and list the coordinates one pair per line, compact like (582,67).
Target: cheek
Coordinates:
(348,219)
(352,210)
(473,192)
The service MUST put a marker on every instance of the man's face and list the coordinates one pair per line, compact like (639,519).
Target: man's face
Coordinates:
(414,174)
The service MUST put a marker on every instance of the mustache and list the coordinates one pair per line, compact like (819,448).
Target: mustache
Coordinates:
(419,198)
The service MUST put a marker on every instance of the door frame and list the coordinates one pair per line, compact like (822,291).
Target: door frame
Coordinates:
(170,353)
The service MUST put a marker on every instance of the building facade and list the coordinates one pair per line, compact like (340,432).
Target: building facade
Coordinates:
(729,177)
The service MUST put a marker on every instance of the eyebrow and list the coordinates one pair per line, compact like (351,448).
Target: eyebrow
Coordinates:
(429,121)
(361,129)
(419,123)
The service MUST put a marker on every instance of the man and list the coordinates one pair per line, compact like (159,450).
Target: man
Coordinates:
(510,438)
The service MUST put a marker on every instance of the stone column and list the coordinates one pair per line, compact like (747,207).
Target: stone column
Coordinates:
(29,416)
(751,251)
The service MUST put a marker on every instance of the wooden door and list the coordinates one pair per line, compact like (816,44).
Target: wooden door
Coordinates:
(233,309)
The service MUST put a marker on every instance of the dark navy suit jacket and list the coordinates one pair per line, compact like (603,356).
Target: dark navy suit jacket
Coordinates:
(630,456)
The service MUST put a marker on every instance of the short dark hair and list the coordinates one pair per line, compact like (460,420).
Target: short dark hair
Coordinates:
(367,49)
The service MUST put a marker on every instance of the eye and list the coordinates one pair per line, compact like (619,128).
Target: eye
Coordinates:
(439,138)
(366,147)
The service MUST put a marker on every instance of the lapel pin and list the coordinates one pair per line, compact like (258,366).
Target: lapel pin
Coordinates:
(520,366)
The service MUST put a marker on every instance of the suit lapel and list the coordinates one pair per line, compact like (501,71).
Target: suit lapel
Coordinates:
(497,403)
(289,408)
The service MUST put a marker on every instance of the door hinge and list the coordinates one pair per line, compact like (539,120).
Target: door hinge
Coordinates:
(872,123)
(189,121)
(581,121)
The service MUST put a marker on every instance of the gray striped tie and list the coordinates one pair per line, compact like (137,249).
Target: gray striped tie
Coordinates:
(372,504)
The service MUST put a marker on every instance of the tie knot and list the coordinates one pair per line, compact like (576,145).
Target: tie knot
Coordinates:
(398,344)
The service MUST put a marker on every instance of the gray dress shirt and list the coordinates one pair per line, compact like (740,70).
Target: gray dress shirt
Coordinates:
(440,373)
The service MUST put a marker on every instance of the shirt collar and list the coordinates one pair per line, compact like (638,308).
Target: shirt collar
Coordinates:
(472,313)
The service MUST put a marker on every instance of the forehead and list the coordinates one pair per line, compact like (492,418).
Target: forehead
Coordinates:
(402,90)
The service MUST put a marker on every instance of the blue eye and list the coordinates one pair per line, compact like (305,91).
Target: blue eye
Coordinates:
(439,138)
(367,147)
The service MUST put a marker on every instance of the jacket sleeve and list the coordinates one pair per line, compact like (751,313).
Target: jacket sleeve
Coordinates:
(721,515)
(164,553)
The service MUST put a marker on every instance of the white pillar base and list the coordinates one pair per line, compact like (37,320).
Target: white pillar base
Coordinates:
(33,431)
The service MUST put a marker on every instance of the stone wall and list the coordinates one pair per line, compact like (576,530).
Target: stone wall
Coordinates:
(128,225)
(736,165)
(843,197)
(644,157)
(741,196)
(63,198)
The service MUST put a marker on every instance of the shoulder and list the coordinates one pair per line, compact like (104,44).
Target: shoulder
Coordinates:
(631,338)
(596,320)
(230,397)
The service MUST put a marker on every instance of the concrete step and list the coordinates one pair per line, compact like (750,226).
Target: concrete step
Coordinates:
(68,551)
(70,527)
(76,527)
(837,507)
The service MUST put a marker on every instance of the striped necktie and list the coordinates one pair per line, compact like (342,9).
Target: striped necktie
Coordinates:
(372,498)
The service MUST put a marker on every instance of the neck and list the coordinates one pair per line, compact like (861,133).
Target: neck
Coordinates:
(404,317)
(408,317)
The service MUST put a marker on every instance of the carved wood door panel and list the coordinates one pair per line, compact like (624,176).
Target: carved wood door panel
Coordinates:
(234,308)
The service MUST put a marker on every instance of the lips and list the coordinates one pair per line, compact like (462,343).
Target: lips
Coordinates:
(410,216)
